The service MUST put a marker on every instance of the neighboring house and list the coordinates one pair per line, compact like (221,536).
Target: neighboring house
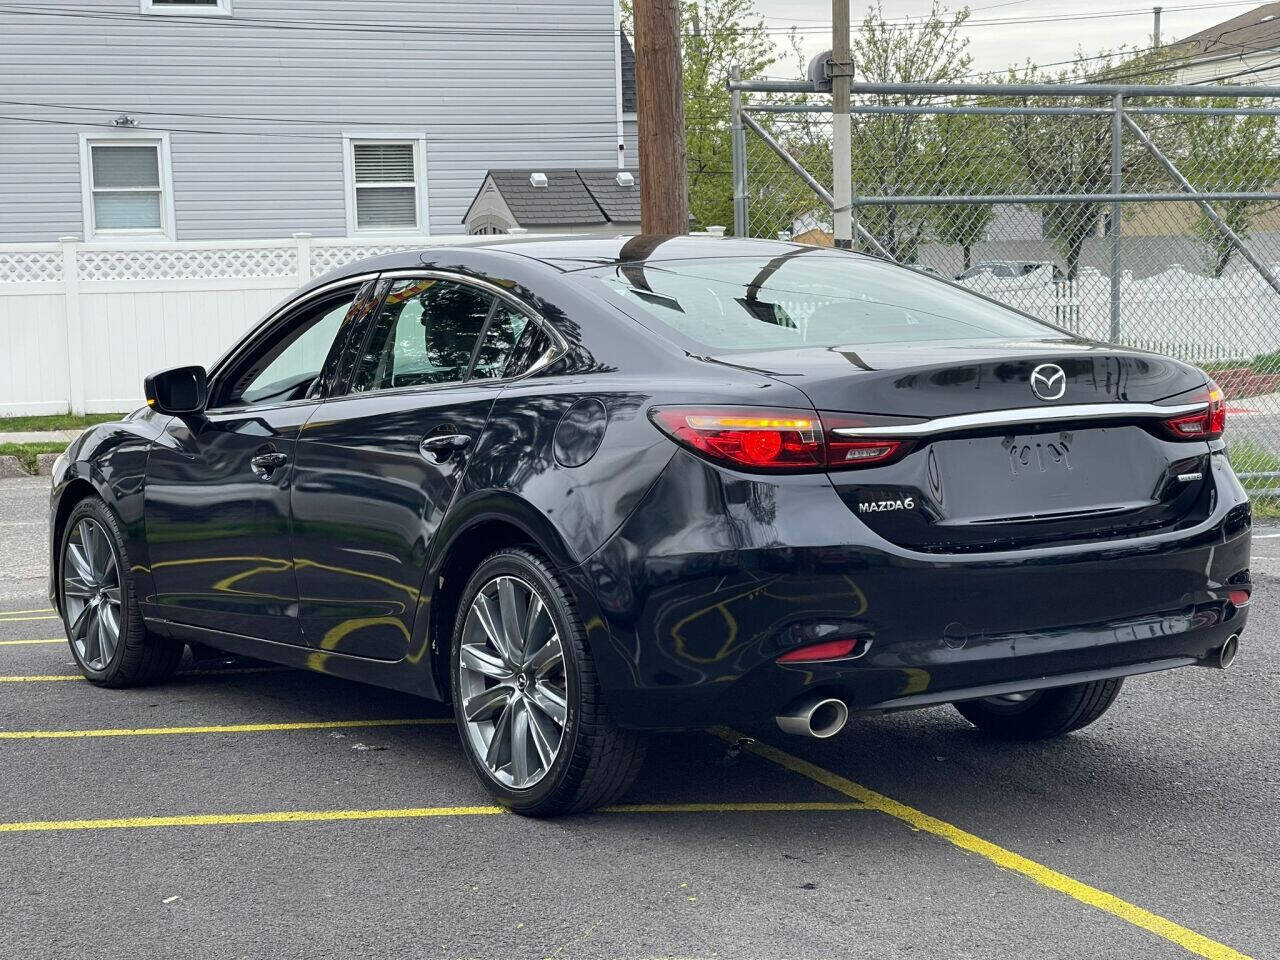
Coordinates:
(208,120)
(582,200)
(627,72)
(1244,49)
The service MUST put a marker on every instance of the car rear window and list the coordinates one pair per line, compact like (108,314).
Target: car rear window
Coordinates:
(807,299)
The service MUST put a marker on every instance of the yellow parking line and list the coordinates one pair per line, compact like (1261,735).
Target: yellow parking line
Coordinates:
(746,807)
(10,613)
(1108,903)
(316,816)
(20,643)
(4,619)
(220,728)
(41,678)
(192,674)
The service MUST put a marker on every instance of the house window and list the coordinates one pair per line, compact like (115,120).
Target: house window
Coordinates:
(384,189)
(126,186)
(193,8)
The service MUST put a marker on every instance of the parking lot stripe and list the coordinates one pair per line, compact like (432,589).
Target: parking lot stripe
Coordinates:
(318,816)
(220,728)
(745,807)
(41,678)
(19,643)
(1108,903)
(4,619)
(187,674)
(10,613)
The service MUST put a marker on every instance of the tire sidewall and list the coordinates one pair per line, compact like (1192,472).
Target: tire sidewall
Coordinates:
(94,509)
(518,563)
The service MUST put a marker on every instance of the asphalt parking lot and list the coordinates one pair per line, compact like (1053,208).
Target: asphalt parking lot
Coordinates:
(273,813)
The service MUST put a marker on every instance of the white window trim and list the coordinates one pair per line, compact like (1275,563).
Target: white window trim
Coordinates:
(108,137)
(222,9)
(349,139)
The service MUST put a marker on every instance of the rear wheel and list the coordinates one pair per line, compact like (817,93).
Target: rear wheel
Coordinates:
(528,704)
(108,640)
(1040,714)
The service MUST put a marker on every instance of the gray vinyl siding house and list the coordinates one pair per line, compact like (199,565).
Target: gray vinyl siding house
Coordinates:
(255,119)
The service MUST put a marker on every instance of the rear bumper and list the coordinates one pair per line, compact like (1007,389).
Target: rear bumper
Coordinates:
(717,574)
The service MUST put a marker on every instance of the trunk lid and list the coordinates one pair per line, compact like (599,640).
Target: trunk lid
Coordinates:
(994,462)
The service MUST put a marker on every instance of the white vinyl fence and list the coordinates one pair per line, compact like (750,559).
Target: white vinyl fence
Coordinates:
(82,323)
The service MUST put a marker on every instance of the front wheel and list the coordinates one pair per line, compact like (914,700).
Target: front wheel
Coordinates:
(527,701)
(1041,714)
(109,641)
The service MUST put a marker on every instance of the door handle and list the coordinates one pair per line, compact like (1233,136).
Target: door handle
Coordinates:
(265,464)
(441,446)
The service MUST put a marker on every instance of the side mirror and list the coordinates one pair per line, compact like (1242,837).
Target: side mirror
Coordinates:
(178,392)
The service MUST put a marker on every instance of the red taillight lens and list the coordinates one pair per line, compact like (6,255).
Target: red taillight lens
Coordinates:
(747,436)
(782,439)
(825,650)
(1207,424)
(1239,598)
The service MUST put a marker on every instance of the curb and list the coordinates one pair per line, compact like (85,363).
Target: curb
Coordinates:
(11,467)
(45,462)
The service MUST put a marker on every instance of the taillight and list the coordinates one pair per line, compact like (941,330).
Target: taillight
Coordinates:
(1206,424)
(779,440)
(823,650)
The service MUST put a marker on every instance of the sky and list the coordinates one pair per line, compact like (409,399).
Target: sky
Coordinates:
(995,46)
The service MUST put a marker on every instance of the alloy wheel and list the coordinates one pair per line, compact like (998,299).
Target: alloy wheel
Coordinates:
(91,594)
(511,672)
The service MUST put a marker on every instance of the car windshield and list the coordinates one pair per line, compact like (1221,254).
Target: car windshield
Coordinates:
(801,299)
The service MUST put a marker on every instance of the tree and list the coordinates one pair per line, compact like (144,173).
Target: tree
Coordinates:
(964,151)
(891,151)
(1230,153)
(718,34)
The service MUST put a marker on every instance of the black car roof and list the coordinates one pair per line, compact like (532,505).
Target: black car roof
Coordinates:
(575,253)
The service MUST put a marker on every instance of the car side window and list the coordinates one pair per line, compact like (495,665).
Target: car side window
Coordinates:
(425,333)
(499,343)
(288,365)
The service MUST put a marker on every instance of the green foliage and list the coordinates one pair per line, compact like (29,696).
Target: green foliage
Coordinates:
(27,452)
(56,421)
(717,35)
(891,152)
(1244,146)
(962,155)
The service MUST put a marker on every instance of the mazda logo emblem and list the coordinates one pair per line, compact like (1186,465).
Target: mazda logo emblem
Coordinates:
(1048,381)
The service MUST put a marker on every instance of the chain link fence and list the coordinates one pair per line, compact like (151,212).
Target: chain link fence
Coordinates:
(1147,220)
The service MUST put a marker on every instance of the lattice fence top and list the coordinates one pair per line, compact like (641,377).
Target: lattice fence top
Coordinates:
(188,264)
(326,258)
(30,267)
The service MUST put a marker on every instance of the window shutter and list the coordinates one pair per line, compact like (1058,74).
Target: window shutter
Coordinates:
(385,185)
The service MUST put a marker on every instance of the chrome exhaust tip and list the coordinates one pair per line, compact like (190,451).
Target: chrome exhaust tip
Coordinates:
(1227,653)
(819,717)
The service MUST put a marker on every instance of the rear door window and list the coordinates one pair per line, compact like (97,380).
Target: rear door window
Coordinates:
(425,333)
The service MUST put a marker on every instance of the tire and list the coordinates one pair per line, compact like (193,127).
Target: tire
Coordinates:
(97,594)
(1044,713)
(521,693)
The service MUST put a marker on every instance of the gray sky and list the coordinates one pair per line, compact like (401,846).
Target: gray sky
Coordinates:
(995,46)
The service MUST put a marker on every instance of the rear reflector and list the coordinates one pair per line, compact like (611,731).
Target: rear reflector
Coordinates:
(1207,424)
(779,440)
(1239,598)
(826,650)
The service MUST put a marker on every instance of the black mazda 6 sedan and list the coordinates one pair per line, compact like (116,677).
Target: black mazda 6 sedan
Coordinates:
(583,489)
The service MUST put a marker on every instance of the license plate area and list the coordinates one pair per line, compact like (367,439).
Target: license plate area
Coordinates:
(1025,477)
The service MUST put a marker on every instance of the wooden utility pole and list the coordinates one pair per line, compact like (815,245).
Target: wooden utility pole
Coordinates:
(664,181)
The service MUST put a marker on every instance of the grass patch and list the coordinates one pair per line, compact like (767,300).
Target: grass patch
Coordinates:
(27,452)
(1248,457)
(56,421)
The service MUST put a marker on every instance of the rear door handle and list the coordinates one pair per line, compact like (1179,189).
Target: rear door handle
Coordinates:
(265,464)
(441,446)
